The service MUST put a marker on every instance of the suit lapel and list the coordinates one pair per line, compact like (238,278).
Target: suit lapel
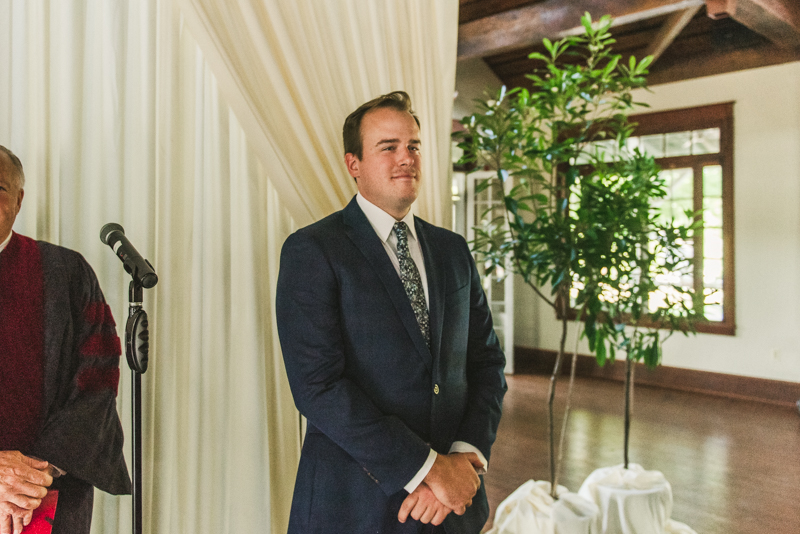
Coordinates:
(436,283)
(361,233)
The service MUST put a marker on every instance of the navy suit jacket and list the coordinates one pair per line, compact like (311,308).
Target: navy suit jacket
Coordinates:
(375,396)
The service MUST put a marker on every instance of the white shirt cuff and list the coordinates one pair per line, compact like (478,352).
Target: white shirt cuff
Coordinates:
(463,446)
(422,473)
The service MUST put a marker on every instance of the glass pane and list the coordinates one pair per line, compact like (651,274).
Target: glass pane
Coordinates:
(679,208)
(584,156)
(498,290)
(483,196)
(663,209)
(632,143)
(688,248)
(497,193)
(678,144)
(657,300)
(712,212)
(712,243)
(485,213)
(712,181)
(712,274)
(605,150)
(705,141)
(713,312)
(479,209)
(653,145)
(679,183)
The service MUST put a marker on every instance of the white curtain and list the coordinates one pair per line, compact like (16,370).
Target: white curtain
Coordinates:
(118,115)
(293,70)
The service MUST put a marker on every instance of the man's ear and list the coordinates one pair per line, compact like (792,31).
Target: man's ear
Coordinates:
(353,164)
(19,199)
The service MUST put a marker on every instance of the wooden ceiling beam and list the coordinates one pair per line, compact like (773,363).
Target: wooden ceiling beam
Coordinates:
(672,70)
(673,26)
(777,20)
(555,19)
(721,63)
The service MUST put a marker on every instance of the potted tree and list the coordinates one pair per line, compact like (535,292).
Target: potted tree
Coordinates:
(578,221)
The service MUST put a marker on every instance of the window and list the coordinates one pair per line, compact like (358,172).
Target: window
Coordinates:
(694,148)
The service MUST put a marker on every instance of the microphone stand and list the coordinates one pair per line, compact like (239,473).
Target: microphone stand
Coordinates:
(137,344)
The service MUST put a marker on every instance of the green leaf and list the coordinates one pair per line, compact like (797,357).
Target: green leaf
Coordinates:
(572,176)
(643,64)
(611,65)
(482,185)
(511,204)
(651,355)
(586,20)
(600,354)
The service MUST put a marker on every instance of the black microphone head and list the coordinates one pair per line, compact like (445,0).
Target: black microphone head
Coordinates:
(109,229)
(149,280)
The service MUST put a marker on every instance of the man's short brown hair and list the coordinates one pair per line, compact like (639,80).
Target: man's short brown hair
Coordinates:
(351,132)
(17,166)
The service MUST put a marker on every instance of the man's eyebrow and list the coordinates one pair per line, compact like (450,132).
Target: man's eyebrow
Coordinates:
(395,141)
(387,142)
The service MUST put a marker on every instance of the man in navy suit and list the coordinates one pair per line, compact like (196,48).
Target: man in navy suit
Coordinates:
(389,349)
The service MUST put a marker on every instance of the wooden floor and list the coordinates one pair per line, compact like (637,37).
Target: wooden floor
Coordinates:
(734,465)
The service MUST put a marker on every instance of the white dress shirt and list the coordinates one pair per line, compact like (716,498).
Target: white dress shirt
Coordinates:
(383,224)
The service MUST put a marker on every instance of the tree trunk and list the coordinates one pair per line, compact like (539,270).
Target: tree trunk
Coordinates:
(565,421)
(552,395)
(629,366)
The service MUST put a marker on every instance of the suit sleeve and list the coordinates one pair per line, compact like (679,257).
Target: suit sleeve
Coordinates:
(309,326)
(485,371)
(82,434)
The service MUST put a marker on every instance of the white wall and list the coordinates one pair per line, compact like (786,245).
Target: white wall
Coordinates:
(473,77)
(767,230)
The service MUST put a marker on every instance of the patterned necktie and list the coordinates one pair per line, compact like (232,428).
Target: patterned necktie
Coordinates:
(412,281)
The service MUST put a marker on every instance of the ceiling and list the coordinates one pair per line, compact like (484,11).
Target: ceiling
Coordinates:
(688,38)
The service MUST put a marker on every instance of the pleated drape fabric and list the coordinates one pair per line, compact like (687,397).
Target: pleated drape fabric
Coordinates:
(210,131)
(292,71)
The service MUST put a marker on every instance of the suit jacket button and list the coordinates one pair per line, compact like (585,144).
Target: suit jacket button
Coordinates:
(436,389)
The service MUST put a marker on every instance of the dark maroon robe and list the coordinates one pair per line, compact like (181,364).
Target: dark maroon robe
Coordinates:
(67,362)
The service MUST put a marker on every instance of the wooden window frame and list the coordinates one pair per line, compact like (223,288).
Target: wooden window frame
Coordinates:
(700,118)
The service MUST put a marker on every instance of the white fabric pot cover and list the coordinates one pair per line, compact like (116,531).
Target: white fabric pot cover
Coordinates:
(631,501)
(676,527)
(531,510)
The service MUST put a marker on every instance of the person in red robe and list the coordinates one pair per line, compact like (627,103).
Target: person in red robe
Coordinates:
(60,434)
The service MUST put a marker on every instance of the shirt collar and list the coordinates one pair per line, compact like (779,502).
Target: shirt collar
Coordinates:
(5,243)
(382,222)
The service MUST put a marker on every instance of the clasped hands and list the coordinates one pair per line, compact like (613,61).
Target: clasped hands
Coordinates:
(448,487)
(23,485)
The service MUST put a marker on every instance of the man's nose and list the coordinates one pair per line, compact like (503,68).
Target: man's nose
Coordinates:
(405,157)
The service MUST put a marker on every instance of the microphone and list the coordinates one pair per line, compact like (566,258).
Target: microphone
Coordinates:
(139,268)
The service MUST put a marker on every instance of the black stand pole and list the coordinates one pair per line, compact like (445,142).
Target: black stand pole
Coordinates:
(137,340)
